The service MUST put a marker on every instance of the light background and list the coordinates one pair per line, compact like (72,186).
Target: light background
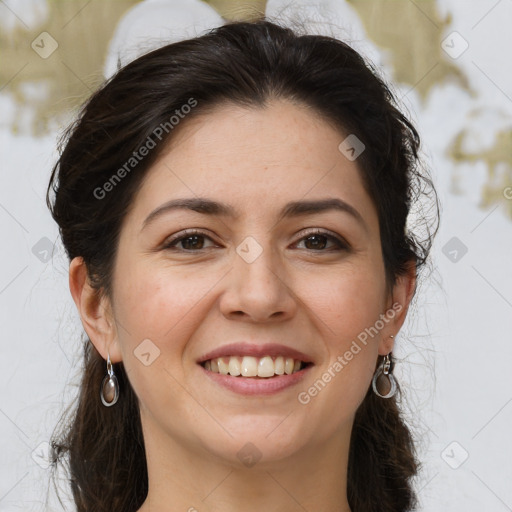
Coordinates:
(455,352)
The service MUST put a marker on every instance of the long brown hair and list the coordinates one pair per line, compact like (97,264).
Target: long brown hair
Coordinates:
(246,64)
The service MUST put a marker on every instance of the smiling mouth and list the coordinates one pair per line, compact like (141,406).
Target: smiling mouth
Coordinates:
(249,366)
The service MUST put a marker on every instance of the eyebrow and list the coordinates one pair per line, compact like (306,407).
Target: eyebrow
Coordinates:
(293,209)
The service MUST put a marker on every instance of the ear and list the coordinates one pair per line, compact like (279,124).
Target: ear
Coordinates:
(95,312)
(396,312)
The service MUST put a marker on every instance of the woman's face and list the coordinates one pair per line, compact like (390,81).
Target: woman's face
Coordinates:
(251,274)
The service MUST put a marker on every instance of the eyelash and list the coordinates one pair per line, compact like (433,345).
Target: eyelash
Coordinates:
(341,244)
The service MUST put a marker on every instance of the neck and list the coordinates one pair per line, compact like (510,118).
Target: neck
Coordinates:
(187,478)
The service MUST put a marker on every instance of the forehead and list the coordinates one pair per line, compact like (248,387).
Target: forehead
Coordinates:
(255,159)
(278,134)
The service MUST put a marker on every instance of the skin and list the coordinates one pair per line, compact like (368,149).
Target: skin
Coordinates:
(187,303)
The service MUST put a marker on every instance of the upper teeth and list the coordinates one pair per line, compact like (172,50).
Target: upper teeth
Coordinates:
(248,366)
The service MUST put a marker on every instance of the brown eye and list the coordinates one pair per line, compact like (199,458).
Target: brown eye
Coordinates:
(319,240)
(316,242)
(192,241)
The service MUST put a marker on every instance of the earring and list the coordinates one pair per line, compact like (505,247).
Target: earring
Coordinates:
(109,391)
(384,379)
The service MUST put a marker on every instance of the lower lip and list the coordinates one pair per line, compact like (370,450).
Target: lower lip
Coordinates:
(257,385)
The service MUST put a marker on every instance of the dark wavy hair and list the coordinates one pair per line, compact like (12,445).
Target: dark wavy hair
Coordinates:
(247,64)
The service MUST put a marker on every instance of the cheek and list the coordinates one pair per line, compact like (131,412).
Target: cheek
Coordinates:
(348,309)
(157,303)
(156,311)
(348,301)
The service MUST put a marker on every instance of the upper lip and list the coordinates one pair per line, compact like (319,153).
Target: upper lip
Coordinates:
(259,350)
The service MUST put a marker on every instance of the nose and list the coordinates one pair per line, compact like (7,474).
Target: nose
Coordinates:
(258,290)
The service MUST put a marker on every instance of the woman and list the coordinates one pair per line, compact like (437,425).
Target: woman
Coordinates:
(234,209)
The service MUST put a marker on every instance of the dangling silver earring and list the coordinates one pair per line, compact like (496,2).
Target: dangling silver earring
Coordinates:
(109,391)
(383,378)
